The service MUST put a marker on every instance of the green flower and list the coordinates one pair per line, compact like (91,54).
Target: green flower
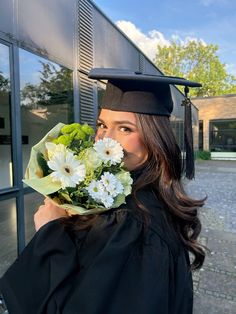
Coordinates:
(80,135)
(68,128)
(87,129)
(64,139)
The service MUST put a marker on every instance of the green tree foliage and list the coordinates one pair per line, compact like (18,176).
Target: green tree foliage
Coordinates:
(4,83)
(194,60)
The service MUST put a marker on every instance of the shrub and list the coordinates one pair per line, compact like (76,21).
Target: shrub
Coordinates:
(203,154)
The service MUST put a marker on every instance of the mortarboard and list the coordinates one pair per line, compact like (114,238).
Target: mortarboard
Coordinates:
(138,92)
(145,93)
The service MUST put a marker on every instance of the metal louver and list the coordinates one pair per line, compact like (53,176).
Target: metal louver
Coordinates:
(85,32)
(87,110)
(85,51)
(141,62)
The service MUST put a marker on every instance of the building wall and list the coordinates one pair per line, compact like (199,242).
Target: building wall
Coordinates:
(65,38)
(214,108)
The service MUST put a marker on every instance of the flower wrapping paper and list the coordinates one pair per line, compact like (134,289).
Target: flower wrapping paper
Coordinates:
(103,183)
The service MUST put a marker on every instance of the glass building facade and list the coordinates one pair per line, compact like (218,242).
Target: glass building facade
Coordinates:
(46,51)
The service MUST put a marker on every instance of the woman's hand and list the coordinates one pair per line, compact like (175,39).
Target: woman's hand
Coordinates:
(48,212)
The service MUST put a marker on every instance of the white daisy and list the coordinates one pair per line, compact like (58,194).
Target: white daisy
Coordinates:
(112,185)
(66,169)
(109,150)
(95,190)
(107,200)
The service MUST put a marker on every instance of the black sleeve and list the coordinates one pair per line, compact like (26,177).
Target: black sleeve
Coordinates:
(44,264)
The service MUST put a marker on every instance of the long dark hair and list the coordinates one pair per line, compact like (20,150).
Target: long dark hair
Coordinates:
(163,171)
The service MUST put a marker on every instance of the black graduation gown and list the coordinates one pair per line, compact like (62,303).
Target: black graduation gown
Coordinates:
(115,267)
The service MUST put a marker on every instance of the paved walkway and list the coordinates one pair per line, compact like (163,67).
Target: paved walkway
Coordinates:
(215,283)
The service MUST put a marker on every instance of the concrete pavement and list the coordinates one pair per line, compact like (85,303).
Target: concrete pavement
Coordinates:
(215,283)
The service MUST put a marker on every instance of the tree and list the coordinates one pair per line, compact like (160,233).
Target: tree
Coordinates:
(4,83)
(197,61)
(55,88)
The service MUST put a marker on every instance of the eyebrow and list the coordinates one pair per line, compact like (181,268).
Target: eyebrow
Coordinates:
(119,122)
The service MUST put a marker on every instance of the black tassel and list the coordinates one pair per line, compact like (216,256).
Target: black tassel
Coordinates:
(188,136)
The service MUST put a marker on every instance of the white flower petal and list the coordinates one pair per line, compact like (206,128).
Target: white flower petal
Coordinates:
(67,169)
(96,190)
(109,150)
(53,149)
(112,184)
(107,200)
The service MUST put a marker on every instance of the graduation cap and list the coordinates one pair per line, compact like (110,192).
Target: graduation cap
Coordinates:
(146,93)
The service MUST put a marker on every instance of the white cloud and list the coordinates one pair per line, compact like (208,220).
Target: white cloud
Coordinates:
(146,42)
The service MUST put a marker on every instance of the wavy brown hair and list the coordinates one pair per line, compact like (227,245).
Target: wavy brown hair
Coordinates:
(163,172)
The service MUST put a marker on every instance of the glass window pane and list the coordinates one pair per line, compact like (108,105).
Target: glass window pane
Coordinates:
(223,136)
(178,129)
(5,119)
(8,236)
(46,98)
(31,203)
(49,27)
(6,16)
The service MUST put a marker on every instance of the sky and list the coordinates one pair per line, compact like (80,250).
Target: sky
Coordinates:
(150,22)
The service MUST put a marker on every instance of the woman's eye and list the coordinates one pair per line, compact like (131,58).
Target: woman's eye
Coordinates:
(100,125)
(125,129)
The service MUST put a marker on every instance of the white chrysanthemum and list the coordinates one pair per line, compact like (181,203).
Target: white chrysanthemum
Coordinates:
(109,150)
(112,185)
(66,169)
(53,149)
(96,190)
(107,200)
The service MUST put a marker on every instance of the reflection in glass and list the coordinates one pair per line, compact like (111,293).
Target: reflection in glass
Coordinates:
(178,130)
(200,135)
(5,120)
(8,243)
(223,136)
(31,203)
(46,98)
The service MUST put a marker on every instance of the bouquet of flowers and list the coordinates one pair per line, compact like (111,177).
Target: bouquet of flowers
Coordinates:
(79,175)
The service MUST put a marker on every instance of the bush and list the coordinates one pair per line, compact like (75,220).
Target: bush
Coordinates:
(203,154)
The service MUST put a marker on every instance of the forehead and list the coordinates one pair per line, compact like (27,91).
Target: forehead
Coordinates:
(117,116)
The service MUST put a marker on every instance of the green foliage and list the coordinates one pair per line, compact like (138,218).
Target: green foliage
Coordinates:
(4,83)
(199,62)
(43,164)
(203,154)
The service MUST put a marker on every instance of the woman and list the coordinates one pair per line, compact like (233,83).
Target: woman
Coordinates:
(133,259)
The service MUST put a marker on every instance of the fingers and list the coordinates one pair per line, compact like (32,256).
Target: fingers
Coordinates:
(48,212)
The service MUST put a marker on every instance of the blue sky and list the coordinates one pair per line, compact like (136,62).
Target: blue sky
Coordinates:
(213,21)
